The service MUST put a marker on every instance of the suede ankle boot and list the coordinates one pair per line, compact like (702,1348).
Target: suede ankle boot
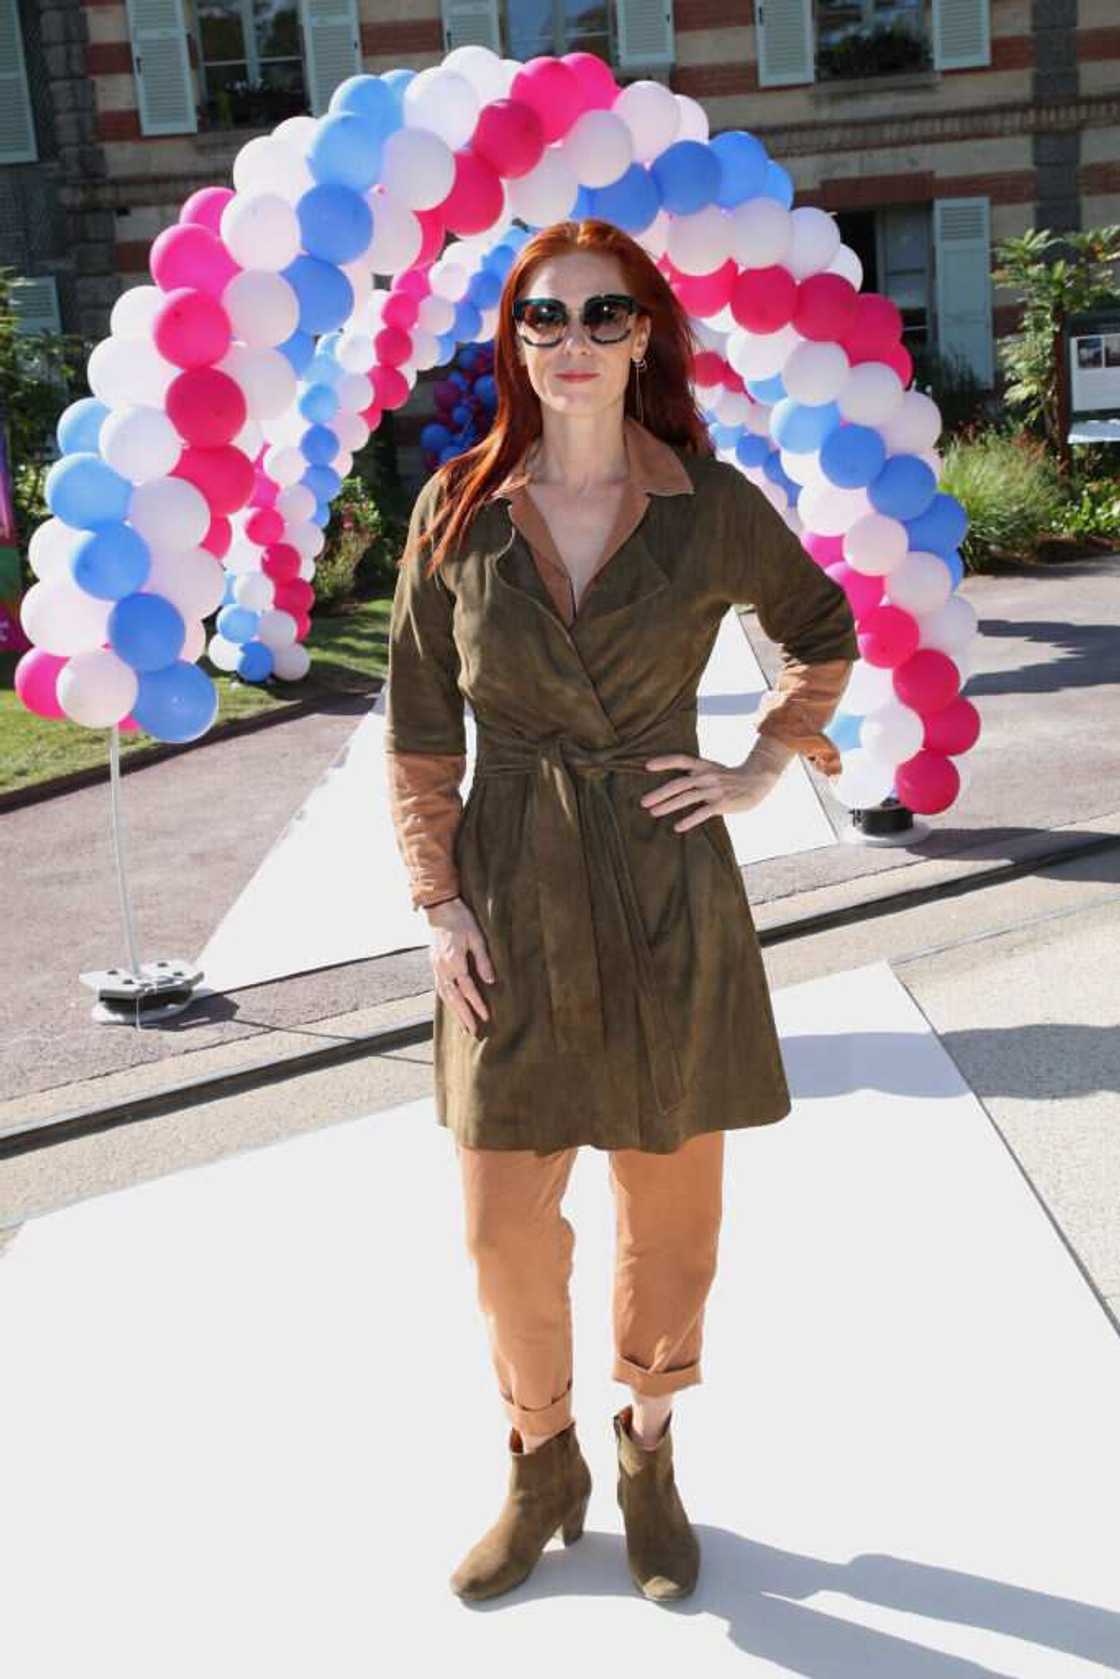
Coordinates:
(548,1489)
(661,1548)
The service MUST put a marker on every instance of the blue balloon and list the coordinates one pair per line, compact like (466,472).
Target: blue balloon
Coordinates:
(779,184)
(956,566)
(485,387)
(742,163)
(318,403)
(484,289)
(458,377)
(147,632)
(468,320)
(320,445)
(461,414)
(255,661)
(83,491)
(111,562)
(323,482)
(582,205)
(904,488)
(177,703)
(499,259)
(940,528)
(321,514)
(396,81)
(446,343)
(687,174)
(449,453)
(771,389)
(299,349)
(844,730)
(322,369)
(434,436)
(372,99)
(802,426)
(325,294)
(631,202)
(725,436)
(335,221)
(752,450)
(237,623)
(851,456)
(346,149)
(79,426)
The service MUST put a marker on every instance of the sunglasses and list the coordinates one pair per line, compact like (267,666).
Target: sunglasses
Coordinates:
(543,321)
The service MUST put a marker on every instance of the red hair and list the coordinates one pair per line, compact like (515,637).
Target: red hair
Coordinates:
(670,410)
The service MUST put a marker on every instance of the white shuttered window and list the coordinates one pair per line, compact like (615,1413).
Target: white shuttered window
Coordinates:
(784,42)
(471,23)
(162,67)
(961,34)
(962,244)
(332,47)
(17,127)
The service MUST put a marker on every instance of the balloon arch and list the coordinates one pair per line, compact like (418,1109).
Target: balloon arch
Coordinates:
(231,395)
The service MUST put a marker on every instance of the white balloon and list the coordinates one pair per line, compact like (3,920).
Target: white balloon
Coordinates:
(352,431)
(482,68)
(361,284)
(654,237)
(848,265)
(122,371)
(757,355)
(261,230)
(249,439)
(547,193)
(816,372)
(343,462)
(140,443)
(598,147)
(307,568)
(61,618)
(97,689)
(194,640)
(223,654)
(828,509)
(354,351)
(291,664)
(255,591)
(701,242)
(651,113)
(397,235)
(425,347)
(761,233)
(436,314)
(863,782)
(295,505)
(443,102)
(297,132)
(951,628)
(914,425)
(191,579)
(892,733)
(267,164)
(418,167)
(285,464)
(307,538)
(284,429)
(922,583)
(135,310)
(267,378)
(51,546)
(876,544)
(870,394)
(276,628)
(448,280)
(869,687)
(815,241)
(694,119)
(169,513)
(354,392)
(731,407)
(262,307)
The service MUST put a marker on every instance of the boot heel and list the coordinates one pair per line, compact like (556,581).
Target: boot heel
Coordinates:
(572,1527)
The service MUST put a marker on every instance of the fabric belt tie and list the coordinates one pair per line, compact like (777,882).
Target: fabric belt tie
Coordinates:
(568,829)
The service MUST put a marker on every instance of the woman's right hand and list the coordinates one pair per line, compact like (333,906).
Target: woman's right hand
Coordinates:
(456,935)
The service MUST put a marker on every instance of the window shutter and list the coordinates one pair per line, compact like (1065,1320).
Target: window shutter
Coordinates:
(17,127)
(961,34)
(784,40)
(332,47)
(962,242)
(471,23)
(162,68)
(35,304)
(645,35)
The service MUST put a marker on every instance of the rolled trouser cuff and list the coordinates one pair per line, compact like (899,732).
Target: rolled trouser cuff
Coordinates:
(653,1383)
(544,1419)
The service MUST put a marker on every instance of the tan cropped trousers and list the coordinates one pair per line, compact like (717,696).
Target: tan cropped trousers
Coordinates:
(668,1212)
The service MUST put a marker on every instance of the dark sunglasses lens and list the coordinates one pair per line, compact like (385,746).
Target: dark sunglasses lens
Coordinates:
(607,319)
(542,322)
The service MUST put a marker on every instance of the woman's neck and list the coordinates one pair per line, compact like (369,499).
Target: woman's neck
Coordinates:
(580,452)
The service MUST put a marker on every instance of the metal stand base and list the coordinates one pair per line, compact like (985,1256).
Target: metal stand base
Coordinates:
(161,989)
(889,823)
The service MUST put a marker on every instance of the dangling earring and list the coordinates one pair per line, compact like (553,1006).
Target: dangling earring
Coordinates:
(639,366)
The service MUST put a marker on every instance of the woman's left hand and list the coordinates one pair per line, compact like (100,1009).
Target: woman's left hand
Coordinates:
(715,789)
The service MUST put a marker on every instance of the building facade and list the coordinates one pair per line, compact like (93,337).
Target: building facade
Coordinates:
(930,128)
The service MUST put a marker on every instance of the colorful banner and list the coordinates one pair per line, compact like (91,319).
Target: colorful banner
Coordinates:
(12,638)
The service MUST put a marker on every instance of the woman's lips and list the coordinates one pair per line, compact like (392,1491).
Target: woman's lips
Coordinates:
(577,375)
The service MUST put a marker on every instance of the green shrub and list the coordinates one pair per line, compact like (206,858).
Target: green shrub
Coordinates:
(1010,487)
(354,524)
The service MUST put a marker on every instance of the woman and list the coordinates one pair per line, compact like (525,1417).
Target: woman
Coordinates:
(598,977)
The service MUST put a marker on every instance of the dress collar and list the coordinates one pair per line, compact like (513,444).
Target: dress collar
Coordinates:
(653,466)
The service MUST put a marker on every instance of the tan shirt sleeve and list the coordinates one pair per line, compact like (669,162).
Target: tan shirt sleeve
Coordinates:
(425,805)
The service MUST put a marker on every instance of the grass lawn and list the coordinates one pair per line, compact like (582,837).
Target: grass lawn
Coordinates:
(348,651)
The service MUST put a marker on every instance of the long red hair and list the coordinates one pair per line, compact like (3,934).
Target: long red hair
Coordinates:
(670,410)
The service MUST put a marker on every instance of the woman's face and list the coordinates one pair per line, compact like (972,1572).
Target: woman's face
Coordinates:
(573,278)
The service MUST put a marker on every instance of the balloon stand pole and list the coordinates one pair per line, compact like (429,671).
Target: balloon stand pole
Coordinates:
(144,990)
(887,823)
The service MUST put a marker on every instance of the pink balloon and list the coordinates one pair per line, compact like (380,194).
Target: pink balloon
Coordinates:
(735,382)
(401,311)
(372,415)
(876,324)
(414,283)
(476,198)
(264,526)
(218,538)
(191,329)
(954,729)
(554,91)
(392,346)
(205,206)
(189,255)
(433,228)
(224,475)
(825,308)
(826,550)
(707,367)
(927,681)
(597,85)
(128,725)
(509,137)
(927,783)
(390,386)
(265,490)
(763,299)
(36,681)
(703,294)
(887,636)
(282,562)
(899,358)
(864,592)
(206,406)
